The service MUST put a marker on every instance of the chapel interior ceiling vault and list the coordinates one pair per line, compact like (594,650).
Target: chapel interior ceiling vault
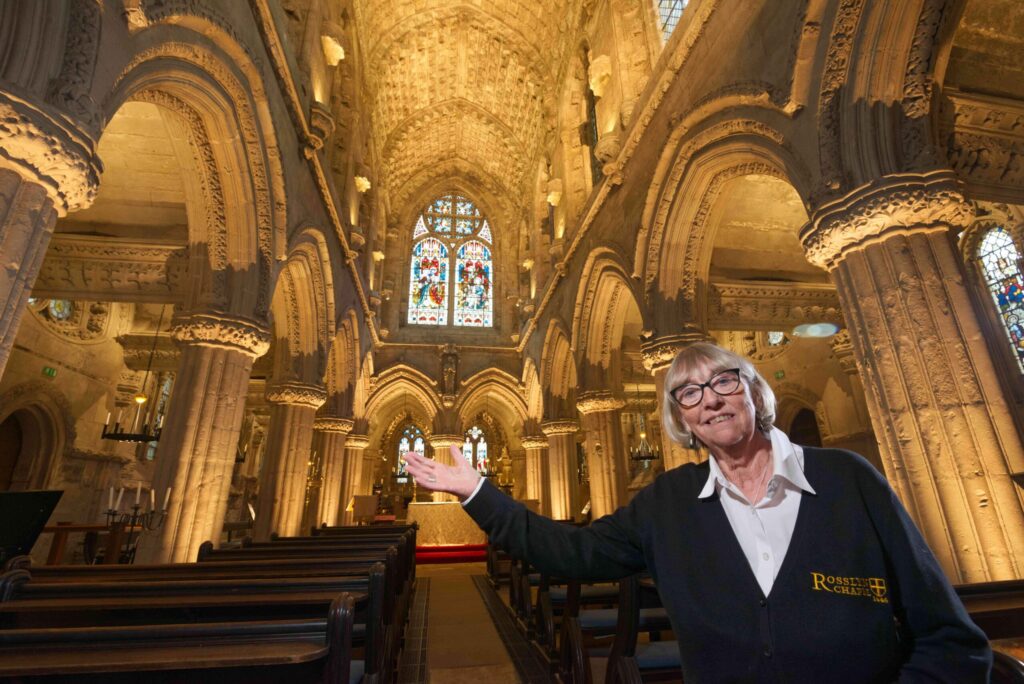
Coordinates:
(458,88)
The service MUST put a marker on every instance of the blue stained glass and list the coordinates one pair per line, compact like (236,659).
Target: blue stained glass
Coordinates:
(1000,261)
(413,436)
(428,291)
(447,219)
(473,297)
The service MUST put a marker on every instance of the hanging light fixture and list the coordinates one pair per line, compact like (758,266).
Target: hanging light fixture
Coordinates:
(643,451)
(146,425)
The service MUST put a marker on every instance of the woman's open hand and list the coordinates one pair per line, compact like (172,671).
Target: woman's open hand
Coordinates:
(460,479)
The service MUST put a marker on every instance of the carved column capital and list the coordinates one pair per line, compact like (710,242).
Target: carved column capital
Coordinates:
(49,151)
(842,348)
(534,442)
(659,352)
(220,330)
(358,442)
(445,441)
(339,425)
(297,394)
(896,205)
(599,401)
(552,428)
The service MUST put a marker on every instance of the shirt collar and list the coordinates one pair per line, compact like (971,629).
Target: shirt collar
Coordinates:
(787,462)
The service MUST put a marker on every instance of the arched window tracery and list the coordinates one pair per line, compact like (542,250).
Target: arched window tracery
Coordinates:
(474,449)
(1000,262)
(411,440)
(452,223)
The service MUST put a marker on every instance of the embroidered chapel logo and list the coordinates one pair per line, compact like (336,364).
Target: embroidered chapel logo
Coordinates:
(870,587)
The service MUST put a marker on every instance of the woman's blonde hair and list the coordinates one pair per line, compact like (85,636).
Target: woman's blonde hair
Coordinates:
(718,359)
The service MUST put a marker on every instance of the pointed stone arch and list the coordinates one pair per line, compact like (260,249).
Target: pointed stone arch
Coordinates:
(558,373)
(533,391)
(48,432)
(343,368)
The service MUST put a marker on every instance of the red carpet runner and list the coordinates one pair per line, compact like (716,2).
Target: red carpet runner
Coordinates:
(464,553)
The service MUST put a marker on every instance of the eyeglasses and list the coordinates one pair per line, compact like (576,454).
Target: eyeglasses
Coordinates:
(722,383)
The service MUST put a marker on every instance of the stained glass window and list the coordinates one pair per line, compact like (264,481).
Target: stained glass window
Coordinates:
(412,440)
(474,449)
(428,291)
(1000,262)
(669,12)
(776,338)
(451,223)
(473,294)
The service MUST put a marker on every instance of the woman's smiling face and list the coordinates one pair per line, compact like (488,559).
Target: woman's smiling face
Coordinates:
(720,422)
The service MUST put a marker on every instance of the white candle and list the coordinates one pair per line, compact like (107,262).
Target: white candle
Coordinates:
(119,412)
(167,498)
(120,493)
(110,499)
(152,499)
(138,492)
(107,421)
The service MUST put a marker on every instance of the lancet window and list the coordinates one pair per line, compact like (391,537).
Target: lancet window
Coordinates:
(1001,267)
(411,440)
(442,288)
(474,448)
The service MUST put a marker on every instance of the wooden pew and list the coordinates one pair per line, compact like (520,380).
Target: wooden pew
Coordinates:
(632,660)
(316,650)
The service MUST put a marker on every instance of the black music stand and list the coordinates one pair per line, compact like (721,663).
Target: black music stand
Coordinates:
(22,518)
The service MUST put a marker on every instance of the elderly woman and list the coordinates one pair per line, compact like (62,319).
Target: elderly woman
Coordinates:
(775,562)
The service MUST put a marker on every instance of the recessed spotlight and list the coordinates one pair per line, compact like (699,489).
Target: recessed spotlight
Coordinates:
(815,330)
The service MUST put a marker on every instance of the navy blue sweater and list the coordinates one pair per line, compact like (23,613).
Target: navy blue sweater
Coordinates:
(859,597)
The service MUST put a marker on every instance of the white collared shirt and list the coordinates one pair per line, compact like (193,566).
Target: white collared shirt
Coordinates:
(764,528)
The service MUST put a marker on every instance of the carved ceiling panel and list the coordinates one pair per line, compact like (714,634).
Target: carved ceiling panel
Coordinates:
(462,83)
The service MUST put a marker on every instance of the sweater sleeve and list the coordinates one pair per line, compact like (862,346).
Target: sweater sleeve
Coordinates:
(944,645)
(610,548)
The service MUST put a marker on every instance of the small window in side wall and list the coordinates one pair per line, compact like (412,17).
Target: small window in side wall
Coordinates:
(669,12)
(1001,267)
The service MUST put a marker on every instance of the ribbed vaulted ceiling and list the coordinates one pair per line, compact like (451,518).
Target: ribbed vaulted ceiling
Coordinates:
(458,88)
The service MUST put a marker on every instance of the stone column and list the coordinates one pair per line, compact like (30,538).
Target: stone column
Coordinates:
(48,168)
(352,474)
(863,441)
(947,439)
(536,447)
(441,446)
(285,470)
(606,450)
(199,439)
(563,493)
(329,436)
(658,355)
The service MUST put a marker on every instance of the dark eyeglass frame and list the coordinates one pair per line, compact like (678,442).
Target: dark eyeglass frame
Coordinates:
(708,385)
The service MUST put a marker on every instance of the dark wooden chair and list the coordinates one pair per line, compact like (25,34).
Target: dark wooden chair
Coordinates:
(631,660)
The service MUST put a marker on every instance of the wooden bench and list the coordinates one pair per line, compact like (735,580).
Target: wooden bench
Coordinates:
(312,650)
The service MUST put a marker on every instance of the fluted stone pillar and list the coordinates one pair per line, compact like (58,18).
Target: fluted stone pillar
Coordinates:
(285,470)
(329,435)
(947,439)
(536,447)
(441,446)
(563,493)
(658,355)
(352,477)
(47,169)
(863,440)
(606,451)
(197,448)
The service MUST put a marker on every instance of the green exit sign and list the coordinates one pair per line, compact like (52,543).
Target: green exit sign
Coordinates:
(49,372)
(779,374)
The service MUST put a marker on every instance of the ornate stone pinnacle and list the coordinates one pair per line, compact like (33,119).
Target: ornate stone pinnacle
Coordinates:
(222,330)
(297,393)
(898,204)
